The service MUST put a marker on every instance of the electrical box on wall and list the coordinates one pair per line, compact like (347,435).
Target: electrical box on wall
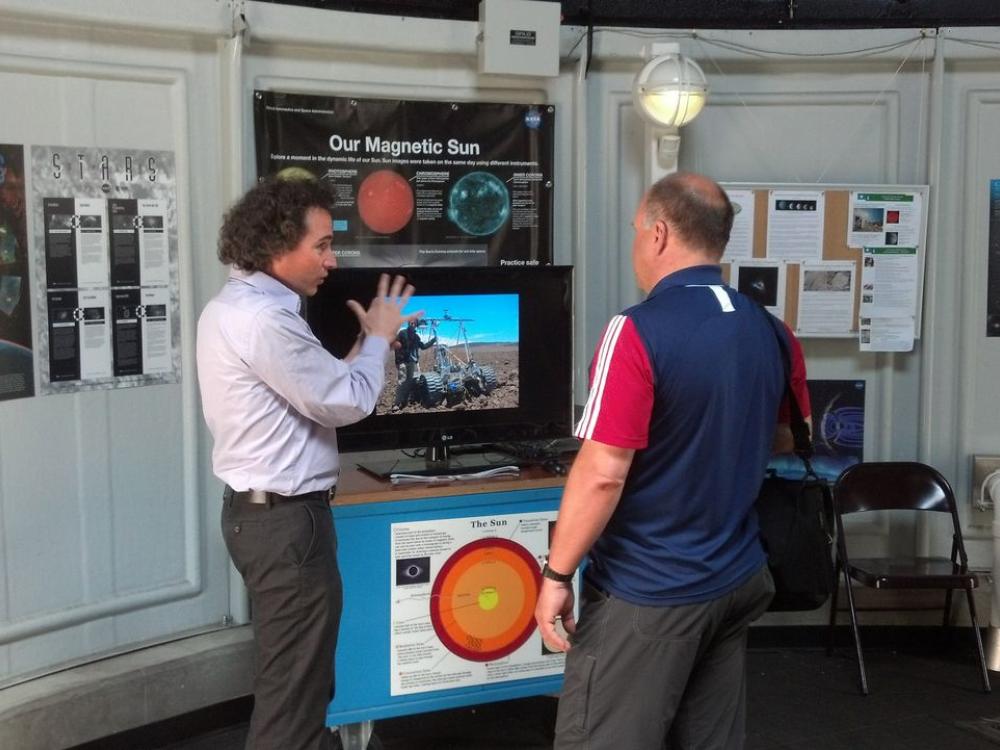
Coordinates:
(519,37)
(986,481)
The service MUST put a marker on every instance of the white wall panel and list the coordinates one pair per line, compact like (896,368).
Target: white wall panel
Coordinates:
(964,410)
(102,494)
(799,136)
(42,545)
(149,539)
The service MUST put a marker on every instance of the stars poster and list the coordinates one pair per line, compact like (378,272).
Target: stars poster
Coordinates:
(105,273)
(419,182)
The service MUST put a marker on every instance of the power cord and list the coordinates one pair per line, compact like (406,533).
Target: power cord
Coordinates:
(544,454)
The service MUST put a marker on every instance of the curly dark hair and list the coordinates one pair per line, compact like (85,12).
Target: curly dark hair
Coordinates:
(269,220)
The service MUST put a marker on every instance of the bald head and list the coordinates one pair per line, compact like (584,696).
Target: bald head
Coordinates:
(695,208)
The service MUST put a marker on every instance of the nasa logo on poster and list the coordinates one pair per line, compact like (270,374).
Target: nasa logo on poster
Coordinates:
(533,118)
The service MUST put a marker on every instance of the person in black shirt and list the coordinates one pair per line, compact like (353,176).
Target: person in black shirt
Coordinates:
(407,358)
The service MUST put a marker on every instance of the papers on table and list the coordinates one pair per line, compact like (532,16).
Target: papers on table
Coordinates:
(497,471)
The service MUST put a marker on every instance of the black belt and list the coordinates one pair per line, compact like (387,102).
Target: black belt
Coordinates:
(263,497)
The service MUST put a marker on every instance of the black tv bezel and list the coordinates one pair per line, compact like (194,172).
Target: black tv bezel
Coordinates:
(541,414)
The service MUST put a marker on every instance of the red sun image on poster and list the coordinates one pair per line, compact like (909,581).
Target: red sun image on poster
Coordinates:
(385,201)
(483,600)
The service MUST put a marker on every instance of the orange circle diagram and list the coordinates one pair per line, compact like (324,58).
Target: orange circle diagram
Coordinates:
(483,600)
(385,201)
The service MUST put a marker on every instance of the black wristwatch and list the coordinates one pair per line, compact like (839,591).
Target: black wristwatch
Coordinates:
(552,575)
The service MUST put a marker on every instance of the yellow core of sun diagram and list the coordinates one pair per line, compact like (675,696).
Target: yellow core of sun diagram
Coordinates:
(489,598)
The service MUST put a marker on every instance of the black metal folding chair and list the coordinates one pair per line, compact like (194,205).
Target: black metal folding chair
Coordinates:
(900,486)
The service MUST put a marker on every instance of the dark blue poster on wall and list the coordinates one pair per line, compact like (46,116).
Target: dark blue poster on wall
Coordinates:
(419,182)
(17,377)
(838,429)
(993,264)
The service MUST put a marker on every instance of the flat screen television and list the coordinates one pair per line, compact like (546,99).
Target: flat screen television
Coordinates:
(493,360)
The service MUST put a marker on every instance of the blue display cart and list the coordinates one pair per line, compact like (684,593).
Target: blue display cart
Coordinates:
(364,511)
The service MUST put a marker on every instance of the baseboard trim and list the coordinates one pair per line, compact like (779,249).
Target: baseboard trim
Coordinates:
(121,693)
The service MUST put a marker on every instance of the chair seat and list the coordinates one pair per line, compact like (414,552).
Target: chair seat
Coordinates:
(911,573)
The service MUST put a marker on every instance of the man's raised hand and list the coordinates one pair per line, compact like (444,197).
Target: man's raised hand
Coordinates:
(384,316)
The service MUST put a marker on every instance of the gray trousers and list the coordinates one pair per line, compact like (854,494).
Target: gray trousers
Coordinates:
(287,555)
(637,676)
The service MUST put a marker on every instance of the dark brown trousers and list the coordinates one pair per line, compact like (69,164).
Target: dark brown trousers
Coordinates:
(287,555)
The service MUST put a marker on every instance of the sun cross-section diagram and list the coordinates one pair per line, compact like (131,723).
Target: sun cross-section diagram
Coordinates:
(483,599)
(463,601)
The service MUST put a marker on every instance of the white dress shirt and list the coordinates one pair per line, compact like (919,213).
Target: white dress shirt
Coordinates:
(272,395)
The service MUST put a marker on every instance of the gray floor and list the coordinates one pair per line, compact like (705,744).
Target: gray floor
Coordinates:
(923,697)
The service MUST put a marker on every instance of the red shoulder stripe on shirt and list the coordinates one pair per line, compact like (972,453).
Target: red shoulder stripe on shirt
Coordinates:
(592,410)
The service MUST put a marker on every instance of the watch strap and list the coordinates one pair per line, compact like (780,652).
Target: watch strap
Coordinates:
(553,575)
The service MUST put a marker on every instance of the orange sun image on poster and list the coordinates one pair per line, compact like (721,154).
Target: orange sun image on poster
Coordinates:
(385,201)
(483,600)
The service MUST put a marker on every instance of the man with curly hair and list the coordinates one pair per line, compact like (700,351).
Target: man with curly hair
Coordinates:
(273,398)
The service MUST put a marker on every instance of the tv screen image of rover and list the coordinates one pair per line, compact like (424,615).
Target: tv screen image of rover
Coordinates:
(462,354)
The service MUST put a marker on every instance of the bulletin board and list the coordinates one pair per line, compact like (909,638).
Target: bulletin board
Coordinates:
(849,223)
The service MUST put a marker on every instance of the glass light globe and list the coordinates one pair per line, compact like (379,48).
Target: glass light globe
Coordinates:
(670,90)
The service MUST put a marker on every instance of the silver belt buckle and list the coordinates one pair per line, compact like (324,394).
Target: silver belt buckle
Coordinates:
(258,497)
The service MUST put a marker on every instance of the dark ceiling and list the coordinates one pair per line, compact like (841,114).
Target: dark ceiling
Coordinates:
(713,14)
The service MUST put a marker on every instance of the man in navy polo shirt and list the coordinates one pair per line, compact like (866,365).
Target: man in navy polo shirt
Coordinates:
(680,423)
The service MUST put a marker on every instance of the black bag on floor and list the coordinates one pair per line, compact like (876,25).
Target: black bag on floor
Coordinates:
(796,519)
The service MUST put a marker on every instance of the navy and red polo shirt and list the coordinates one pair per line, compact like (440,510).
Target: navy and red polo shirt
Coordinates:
(692,379)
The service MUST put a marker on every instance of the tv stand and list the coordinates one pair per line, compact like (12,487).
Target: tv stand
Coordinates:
(441,459)
(384,530)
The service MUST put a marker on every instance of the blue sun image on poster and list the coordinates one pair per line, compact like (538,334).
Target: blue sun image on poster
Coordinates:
(838,430)
(479,203)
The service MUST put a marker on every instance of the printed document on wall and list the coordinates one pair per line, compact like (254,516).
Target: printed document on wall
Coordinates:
(795,221)
(889,282)
(826,297)
(889,277)
(763,281)
(741,237)
(889,334)
(884,219)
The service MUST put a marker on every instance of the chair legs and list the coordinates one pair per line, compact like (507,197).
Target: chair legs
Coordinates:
(857,634)
(979,641)
(833,607)
(862,674)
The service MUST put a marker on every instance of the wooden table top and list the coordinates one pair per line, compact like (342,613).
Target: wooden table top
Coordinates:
(356,487)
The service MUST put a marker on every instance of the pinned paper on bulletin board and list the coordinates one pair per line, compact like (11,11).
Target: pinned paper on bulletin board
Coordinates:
(888,298)
(833,261)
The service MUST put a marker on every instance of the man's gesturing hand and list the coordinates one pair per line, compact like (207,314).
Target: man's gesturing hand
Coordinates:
(384,316)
